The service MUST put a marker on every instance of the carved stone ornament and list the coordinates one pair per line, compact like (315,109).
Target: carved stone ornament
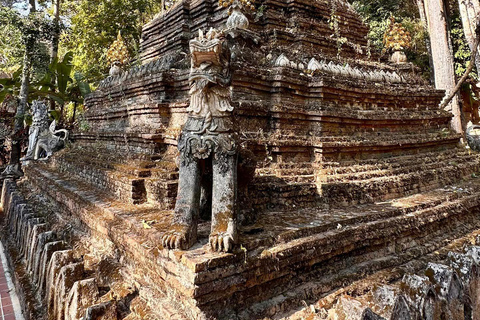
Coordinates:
(237,19)
(12,171)
(282,61)
(207,136)
(43,139)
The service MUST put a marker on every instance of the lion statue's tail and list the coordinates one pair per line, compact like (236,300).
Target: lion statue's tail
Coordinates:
(57,132)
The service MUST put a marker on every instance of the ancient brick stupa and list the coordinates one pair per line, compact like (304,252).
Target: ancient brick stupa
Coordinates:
(340,167)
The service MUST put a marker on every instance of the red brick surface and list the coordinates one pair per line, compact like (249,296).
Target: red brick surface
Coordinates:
(6,307)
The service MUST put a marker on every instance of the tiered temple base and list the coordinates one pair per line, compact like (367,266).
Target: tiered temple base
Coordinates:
(284,258)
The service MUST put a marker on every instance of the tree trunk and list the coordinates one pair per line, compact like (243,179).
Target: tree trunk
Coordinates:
(55,41)
(465,76)
(72,121)
(442,55)
(56,31)
(423,19)
(469,11)
(23,97)
(421,10)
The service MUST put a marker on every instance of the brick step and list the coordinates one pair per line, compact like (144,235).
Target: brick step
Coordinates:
(286,172)
(117,222)
(305,178)
(272,192)
(343,258)
(136,182)
(387,136)
(393,161)
(125,187)
(290,165)
(271,184)
(164,173)
(402,168)
(390,178)
(380,291)
(161,192)
(49,266)
(380,142)
(139,168)
(372,139)
(389,187)
(457,169)
(293,178)
(361,127)
(356,215)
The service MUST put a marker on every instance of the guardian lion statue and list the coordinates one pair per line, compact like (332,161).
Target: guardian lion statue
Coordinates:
(207,141)
(43,139)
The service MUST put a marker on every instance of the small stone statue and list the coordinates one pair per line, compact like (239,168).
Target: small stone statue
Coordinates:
(473,136)
(207,135)
(115,69)
(43,137)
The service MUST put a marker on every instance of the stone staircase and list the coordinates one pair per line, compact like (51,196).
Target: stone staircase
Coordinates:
(71,282)
(145,179)
(306,252)
(279,185)
(383,179)
(291,185)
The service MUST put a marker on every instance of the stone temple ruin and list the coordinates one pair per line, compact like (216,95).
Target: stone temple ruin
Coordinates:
(340,181)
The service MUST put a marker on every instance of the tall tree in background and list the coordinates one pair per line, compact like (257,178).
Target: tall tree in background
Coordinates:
(30,36)
(55,43)
(442,57)
(56,28)
(469,12)
(447,44)
(423,21)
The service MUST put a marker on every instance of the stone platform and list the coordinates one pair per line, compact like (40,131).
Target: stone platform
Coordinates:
(284,258)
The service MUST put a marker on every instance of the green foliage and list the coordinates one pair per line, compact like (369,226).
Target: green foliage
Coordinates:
(83,85)
(63,90)
(461,49)
(376,14)
(418,53)
(35,30)
(10,86)
(69,110)
(95,25)
(381,10)
(55,114)
(376,32)
(63,71)
(55,90)
(11,49)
